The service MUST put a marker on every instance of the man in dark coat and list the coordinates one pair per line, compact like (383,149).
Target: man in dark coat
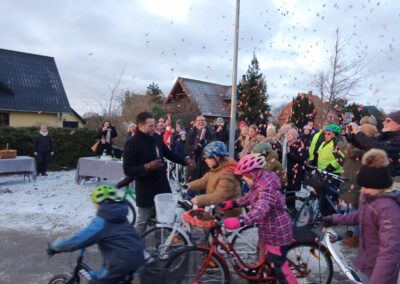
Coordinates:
(389,141)
(43,148)
(199,136)
(143,159)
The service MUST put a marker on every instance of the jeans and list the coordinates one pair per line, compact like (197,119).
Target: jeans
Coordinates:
(144,215)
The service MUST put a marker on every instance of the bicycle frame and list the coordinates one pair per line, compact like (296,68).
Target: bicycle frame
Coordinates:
(330,237)
(238,264)
(81,269)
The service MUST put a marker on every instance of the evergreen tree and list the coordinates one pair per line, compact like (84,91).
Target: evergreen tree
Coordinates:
(303,110)
(154,91)
(252,95)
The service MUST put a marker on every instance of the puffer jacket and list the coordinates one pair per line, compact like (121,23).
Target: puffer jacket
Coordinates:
(220,185)
(119,244)
(379,242)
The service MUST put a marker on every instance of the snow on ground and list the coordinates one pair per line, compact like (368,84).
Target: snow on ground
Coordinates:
(54,202)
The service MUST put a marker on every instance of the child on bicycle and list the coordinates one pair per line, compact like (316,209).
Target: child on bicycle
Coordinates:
(378,256)
(120,246)
(267,210)
(220,182)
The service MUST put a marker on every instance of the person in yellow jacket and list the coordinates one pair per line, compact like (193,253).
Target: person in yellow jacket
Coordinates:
(330,159)
(219,182)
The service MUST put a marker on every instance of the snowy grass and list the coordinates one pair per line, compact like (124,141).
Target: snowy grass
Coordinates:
(52,203)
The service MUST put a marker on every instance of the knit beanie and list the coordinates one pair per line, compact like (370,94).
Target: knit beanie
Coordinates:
(368,120)
(369,129)
(375,170)
(395,116)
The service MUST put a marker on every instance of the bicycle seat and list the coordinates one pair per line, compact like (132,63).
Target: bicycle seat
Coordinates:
(125,182)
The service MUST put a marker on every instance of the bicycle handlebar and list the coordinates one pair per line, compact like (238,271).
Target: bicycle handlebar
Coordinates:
(125,182)
(326,173)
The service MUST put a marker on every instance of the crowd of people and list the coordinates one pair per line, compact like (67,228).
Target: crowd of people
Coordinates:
(267,163)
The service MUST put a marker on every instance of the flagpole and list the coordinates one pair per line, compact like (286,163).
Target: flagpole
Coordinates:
(232,125)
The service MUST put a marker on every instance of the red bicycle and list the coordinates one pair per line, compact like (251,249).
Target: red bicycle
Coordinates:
(207,263)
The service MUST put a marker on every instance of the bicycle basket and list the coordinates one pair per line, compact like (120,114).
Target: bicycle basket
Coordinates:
(199,218)
(165,204)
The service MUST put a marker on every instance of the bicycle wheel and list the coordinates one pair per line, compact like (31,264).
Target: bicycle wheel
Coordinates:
(156,246)
(245,243)
(185,265)
(131,213)
(310,262)
(303,212)
(60,279)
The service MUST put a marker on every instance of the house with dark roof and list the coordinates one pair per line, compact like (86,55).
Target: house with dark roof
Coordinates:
(209,99)
(31,92)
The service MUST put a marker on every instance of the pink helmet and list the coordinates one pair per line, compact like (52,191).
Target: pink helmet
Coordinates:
(250,162)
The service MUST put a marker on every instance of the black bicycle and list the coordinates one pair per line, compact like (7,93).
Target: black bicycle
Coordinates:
(307,209)
(82,270)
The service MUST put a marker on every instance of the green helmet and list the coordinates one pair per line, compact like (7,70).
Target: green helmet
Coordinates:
(334,128)
(263,149)
(103,192)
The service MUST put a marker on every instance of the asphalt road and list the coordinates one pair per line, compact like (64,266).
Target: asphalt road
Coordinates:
(24,260)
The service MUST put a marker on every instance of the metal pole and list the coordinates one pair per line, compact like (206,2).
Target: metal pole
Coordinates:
(232,125)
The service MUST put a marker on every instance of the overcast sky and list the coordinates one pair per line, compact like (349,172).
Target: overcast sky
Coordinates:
(160,40)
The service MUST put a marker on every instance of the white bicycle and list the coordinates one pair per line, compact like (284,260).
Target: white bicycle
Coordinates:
(166,238)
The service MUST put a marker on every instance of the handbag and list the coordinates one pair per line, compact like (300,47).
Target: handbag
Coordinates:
(94,147)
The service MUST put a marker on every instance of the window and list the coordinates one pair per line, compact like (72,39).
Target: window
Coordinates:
(70,124)
(4,119)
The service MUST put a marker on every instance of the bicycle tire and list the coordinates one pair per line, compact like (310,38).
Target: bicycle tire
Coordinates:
(178,267)
(131,213)
(245,243)
(154,237)
(305,262)
(60,279)
(303,213)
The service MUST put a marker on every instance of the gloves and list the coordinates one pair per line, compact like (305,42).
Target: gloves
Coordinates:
(329,169)
(232,223)
(328,221)
(50,251)
(153,165)
(226,205)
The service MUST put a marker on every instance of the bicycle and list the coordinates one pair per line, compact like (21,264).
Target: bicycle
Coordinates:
(205,264)
(325,238)
(82,270)
(128,192)
(164,239)
(307,208)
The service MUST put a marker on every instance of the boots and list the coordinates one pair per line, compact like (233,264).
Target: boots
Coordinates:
(351,242)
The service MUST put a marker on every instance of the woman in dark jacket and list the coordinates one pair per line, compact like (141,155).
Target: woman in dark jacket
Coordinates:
(43,148)
(105,135)
(297,156)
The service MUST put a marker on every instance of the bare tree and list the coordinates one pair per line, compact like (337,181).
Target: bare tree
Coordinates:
(342,77)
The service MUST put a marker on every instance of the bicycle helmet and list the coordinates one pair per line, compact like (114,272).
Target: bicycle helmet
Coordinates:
(250,162)
(215,149)
(103,192)
(262,149)
(334,128)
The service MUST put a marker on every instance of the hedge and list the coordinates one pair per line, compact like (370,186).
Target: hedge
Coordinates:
(69,144)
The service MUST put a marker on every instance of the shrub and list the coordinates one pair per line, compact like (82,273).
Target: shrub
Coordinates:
(69,144)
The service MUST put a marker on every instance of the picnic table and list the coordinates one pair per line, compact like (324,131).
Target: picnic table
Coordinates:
(89,167)
(21,164)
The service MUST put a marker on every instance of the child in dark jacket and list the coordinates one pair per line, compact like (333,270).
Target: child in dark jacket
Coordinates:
(120,246)
(378,255)
(267,210)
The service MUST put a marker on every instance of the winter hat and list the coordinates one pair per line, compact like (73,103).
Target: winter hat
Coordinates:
(375,170)
(307,127)
(395,116)
(369,129)
(182,132)
(368,120)
(294,133)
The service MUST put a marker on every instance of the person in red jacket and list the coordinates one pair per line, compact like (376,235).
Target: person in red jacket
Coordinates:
(378,256)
